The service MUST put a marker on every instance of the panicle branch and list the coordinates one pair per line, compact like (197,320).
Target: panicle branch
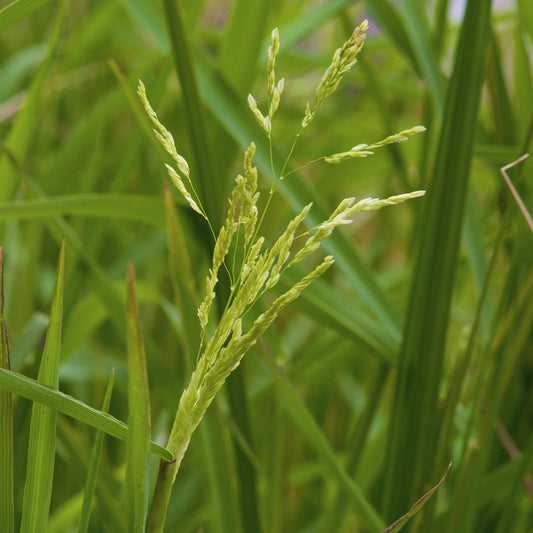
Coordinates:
(274,89)
(167,141)
(362,150)
(343,60)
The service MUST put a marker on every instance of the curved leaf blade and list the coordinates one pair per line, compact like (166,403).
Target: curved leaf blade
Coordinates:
(63,403)
(42,440)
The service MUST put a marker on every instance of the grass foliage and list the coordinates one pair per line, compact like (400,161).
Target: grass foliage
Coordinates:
(285,393)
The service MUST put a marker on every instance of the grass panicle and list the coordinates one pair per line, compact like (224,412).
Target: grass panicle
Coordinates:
(261,267)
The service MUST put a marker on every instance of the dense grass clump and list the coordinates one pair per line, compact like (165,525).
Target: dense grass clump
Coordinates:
(234,343)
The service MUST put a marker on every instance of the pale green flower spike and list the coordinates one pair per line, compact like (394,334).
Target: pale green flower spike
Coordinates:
(362,150)
(272,52)
(343,60)
(340,216)
(254,268)
(167,141)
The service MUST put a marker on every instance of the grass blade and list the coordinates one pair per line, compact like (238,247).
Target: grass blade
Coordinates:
(242,42)
(92,473)
(7,523)
(20,136)
(316,439)
(210,188)
(63,403)
(17,10)
(132,207)
(328,306)
(387,16)
(396,526)
(413,426)
(139,416)
(417,28)
(42,441)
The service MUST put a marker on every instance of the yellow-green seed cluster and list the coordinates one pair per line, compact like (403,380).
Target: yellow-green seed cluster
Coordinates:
(259,267)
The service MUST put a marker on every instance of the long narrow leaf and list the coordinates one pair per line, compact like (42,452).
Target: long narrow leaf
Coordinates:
(139,416)
(414,427)
(7,523)
(416,24)
(133,207)
(316,439)
(19,139)
(92,473)
(42,441)
(398,524)
(63,403)
(242,42)
(17,10)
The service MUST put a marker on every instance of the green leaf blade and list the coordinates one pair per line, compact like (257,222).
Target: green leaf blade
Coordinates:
(17,10)
(138,453)
(42,440)
(131,207)
(63,403)
(90,484)
(414,427)
(7,505)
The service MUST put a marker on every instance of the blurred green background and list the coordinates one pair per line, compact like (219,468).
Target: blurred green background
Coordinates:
(413,352)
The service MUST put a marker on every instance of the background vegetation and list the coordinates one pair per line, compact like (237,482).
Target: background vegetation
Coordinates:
(414,351)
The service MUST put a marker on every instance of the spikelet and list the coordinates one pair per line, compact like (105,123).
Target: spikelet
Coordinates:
(272,52)
(398,137)
(346,208)
(222,245)
(238,346)
(359,150)
(178,183)
(251,259)
(264,122)
(343,60)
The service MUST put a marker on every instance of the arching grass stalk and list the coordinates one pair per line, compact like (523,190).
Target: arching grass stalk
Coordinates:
(260,267)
